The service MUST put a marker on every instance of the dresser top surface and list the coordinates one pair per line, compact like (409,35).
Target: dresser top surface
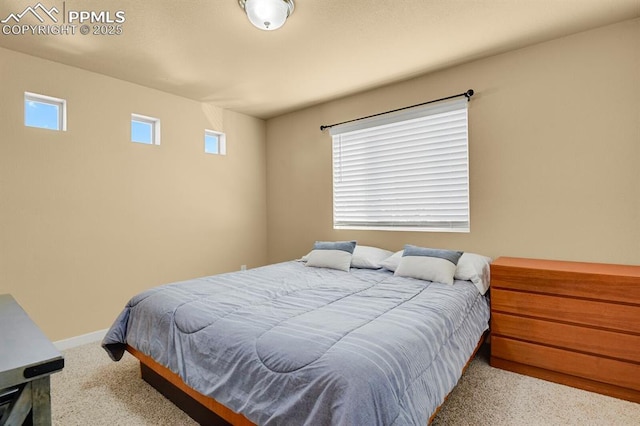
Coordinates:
(569,266)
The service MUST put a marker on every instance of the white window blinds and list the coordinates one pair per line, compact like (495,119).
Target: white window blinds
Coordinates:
(406,170)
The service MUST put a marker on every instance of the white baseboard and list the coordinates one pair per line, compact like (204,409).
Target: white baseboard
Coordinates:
(72,342)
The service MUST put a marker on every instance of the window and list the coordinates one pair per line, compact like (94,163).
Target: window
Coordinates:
(407,170)
(45,112)
(215,142)
(145,129)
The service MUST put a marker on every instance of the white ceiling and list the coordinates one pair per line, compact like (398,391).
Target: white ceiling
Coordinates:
(208,51)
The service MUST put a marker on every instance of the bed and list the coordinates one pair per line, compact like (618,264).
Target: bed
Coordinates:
(292,344)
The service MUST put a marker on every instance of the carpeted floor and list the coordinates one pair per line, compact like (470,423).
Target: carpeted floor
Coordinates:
(93,390)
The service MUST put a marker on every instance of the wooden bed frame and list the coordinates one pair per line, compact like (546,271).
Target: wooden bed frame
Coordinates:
(204,409)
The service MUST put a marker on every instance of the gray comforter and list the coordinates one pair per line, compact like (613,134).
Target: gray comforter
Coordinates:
(287,344)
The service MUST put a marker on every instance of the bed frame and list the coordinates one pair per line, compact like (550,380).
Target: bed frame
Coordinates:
(204,409)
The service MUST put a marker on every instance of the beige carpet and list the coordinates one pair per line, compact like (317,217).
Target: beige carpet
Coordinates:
(92,390)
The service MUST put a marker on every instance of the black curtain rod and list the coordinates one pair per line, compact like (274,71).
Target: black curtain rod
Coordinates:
(468,94)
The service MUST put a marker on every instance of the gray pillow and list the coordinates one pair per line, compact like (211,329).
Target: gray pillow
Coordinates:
(428,264)
(333,255)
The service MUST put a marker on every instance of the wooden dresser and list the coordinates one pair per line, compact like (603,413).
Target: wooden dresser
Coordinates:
(568,322)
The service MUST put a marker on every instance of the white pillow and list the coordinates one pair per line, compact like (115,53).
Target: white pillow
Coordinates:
(471,267)
(367,257)
(475,268)
(428,264)
(391,263)
(333,255)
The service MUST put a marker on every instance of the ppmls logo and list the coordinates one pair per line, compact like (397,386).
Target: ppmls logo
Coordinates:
(102,22)
(34,11)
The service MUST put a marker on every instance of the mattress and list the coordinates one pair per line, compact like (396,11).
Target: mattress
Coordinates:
(289,344)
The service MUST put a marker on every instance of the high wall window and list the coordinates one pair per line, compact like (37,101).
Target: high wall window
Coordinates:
(145,129)
(215,142)
(45,112)
(406,170)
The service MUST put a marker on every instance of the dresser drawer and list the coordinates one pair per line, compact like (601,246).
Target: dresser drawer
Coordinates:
(617,283)
(619,373)
(613,316)
(625,347)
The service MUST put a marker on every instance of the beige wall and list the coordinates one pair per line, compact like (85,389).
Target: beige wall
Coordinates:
(554,154)
(88,218)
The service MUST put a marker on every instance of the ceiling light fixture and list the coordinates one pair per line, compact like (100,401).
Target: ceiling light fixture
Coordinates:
(267,15)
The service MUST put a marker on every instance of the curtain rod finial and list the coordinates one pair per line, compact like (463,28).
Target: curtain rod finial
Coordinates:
(469,93)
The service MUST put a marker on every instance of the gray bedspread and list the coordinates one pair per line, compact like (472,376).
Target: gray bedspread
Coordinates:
(287,344)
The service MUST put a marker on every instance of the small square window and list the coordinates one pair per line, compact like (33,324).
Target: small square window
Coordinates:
(145,129)
(45,112)
(215,142)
